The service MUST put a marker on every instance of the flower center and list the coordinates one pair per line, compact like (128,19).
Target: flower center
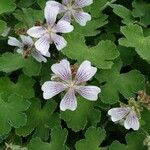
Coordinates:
(50,29)
(70,84)
(25,47)
(26,50)
(69,8)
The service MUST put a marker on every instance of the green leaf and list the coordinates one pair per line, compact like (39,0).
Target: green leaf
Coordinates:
(91,28)
(46,71)
(11,112)
(58,139)
(15,147)
(134,38)
(40,119)
(28,17)
(134,142)
(96,8)
(23,87)
(127,55)
(93,138)
(7,6)
(146,119)
(85,113)
(11,62)
(116,145)
(101,56)
(26,3)
(123,12)
(3,25)
(128,84)
(142,11)
(41,3)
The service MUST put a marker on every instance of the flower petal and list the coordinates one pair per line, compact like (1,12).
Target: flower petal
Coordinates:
(51,14)
(82,3)
(59,41)
(14,42)
(43,44)
(62,69)
(64,27)
(27,40)
(118,113)
(51,88)
(81,17)
(54,4)
(85,72)
(20,50)
(48,54)
(36,31)
(69,101)
(38,56)
(132,121)
(89,92)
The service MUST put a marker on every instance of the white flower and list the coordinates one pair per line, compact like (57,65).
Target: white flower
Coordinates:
(72,82)
(49,33)
(72,9)
(26,46)
(127,114)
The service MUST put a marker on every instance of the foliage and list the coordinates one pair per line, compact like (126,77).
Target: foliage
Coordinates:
(116,41)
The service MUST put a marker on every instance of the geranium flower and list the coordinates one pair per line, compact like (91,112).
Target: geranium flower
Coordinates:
(72,9)
(127,115)
(26,46)
(72,81)
(48,33)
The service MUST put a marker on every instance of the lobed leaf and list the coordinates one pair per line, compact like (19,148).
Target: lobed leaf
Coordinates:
(91,28)
(83,115)
(91,142)
(96,8)
(123,12)
(28,17)
(23,87)
(58,139)
(134,142)
(128,84)
(12,112)
(142,11)
(134,38)
(7,6)
(101,56)
(40,120)
(146,120)
(30,66)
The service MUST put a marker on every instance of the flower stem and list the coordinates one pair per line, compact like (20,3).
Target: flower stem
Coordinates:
(107,4)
